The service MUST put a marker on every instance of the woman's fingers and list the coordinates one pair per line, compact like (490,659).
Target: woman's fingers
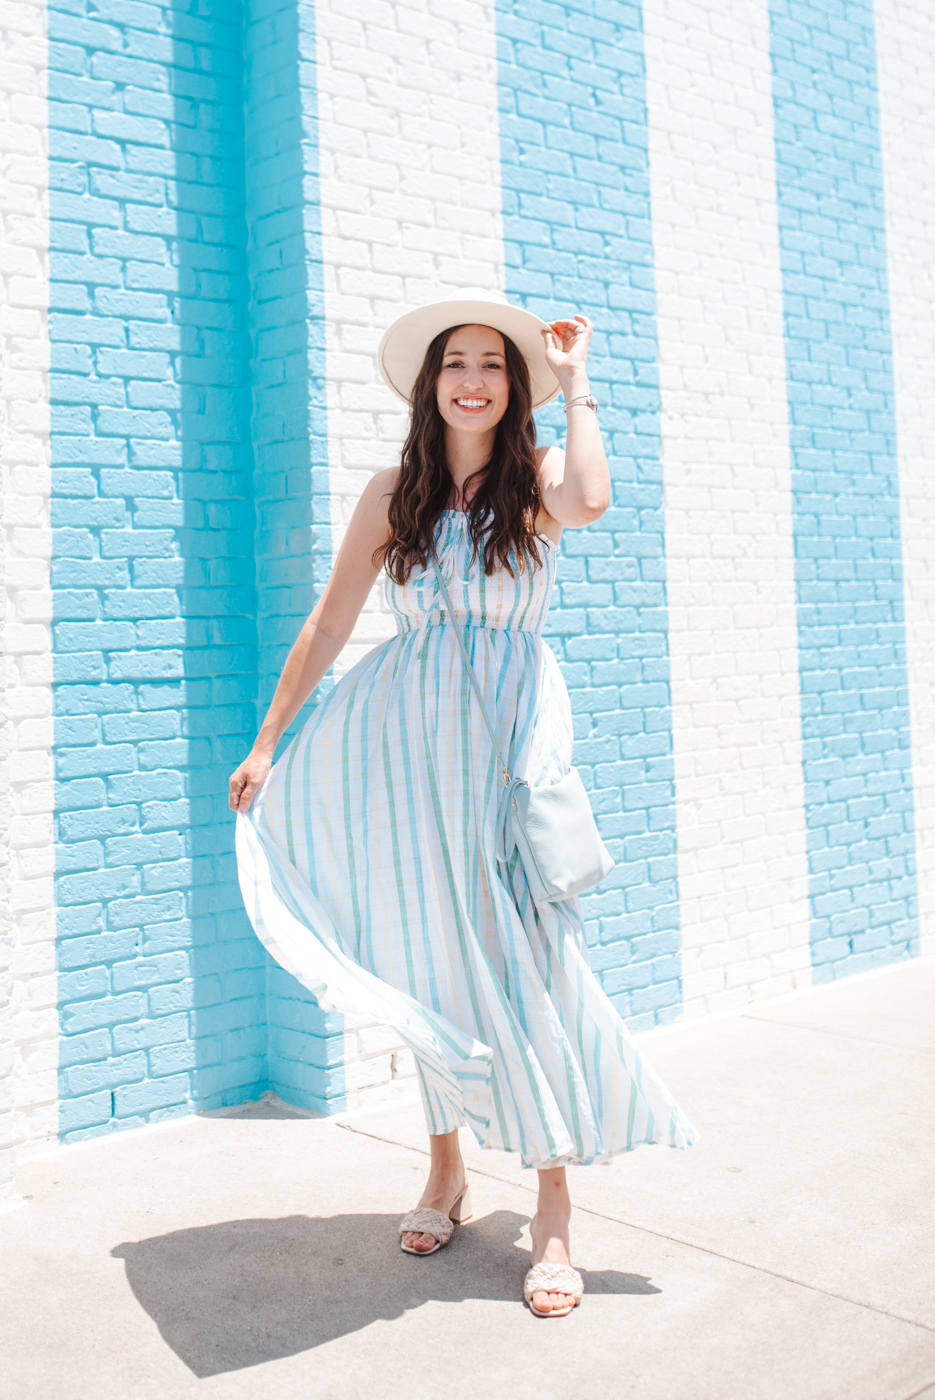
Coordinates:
(246,796)
(564,336)
(573,324)
(567,342)
(571,329)
(240,787)
(246,782)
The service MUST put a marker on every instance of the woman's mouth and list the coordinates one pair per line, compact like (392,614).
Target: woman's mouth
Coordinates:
(472,405)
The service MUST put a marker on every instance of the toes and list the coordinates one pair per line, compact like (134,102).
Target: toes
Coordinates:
(423,1244)
(552,1302)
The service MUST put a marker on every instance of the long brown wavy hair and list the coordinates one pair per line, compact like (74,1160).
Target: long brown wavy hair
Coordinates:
(503,509)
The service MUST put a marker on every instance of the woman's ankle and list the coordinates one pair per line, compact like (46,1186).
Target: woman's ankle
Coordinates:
(553,1197)
(450,1175)
(552,1216)
(446,1181)
(445,1154)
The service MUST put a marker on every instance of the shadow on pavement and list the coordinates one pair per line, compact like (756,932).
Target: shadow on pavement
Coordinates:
(243,1292)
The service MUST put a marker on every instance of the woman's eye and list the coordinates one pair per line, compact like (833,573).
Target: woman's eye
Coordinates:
(459,364)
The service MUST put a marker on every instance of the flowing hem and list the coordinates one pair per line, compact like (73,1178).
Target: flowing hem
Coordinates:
(284,913)
(454,1069)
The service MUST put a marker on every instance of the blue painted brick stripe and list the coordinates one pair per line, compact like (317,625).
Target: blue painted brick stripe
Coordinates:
(576,227)
(852,653)
(154,636)
(164,1002)
(292,489)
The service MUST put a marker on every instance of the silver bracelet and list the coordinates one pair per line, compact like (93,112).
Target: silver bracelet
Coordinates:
(588,399)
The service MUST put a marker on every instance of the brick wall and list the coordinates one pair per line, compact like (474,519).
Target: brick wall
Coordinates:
(743,875)
(161,982)
(905,44)
(28,1021)
(241,200)
(857,756)
(305,1047)
(290,430)
(410,208)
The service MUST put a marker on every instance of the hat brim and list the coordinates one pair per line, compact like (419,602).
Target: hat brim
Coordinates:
(402,349)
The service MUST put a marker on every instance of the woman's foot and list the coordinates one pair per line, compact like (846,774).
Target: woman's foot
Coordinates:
(549,1234)
(442,1189)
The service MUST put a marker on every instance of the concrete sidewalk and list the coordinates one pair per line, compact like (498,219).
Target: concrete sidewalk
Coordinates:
(254,1254)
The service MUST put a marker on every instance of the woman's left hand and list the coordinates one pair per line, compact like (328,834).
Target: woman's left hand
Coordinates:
(566,348)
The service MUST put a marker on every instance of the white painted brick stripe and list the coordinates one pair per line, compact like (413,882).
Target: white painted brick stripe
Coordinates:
(409,154)
(732,620)
(377,1069)
(28,1015)
(905,63)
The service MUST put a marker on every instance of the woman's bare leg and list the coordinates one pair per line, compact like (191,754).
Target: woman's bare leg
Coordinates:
(549,1231)
(447,1179)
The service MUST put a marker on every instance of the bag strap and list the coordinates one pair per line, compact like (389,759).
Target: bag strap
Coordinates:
(470,669)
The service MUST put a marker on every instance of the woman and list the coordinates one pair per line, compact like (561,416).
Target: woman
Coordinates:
(368,860)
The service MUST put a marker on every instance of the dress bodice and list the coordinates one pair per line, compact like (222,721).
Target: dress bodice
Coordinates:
(499,600)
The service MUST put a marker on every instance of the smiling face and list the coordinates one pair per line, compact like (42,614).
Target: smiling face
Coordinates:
(473,388)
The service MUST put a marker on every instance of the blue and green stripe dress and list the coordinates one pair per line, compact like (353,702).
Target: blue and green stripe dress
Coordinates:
(369,871)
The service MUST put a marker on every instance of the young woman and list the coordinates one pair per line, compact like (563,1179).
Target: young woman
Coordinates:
(368,860)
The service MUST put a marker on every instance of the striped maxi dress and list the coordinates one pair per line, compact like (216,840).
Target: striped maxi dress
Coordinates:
(368,868)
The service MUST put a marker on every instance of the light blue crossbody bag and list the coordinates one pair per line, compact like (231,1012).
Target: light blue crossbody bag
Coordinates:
(552,827)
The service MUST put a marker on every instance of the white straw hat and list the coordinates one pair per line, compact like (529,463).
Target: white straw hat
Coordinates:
(402,349)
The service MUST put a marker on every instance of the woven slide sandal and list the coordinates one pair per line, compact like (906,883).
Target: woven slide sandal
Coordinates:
(426,1221)
(553,1278)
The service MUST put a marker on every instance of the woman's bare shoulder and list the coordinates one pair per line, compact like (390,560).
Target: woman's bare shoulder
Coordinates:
(375,497)
(383,483)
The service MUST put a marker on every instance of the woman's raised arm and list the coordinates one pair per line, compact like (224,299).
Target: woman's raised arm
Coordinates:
(323,635)
(575,484)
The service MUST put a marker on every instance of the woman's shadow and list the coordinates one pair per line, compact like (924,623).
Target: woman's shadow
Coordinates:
(242,1292)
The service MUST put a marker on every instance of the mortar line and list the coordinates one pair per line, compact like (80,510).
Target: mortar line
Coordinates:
(675,1239)
(845,1035)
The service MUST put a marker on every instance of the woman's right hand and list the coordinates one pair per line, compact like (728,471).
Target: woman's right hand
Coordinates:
(248,779)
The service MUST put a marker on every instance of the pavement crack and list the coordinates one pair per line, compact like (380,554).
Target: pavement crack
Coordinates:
(927,1389)
(679,1239)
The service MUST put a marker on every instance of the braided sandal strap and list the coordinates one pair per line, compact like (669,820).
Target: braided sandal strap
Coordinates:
(426,1221)
(553,1278)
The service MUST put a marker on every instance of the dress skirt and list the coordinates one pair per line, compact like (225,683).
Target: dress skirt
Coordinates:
(369,871)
